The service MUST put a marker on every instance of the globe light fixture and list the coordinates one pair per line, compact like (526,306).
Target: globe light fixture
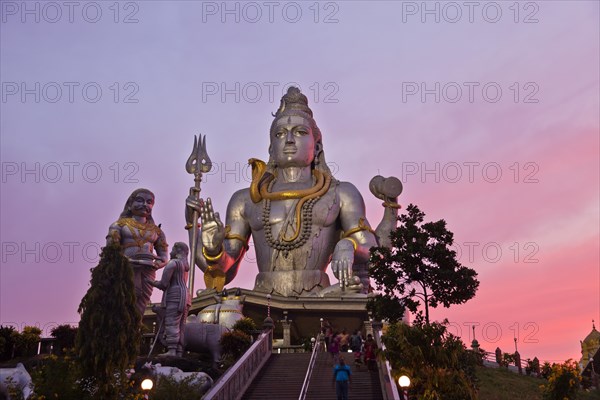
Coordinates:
(404,382)
(147,384)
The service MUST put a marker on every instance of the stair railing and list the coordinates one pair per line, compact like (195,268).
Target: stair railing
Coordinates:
(234,383)
(311,365)
(390,390)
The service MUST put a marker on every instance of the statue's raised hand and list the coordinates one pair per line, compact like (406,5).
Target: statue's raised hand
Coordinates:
(213,230)
(341,262)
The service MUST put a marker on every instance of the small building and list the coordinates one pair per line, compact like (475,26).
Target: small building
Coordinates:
(589,347)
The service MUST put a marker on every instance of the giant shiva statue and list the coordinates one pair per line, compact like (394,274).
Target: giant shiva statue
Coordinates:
(299,216)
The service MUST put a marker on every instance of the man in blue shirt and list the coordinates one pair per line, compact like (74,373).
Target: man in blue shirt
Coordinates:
(342,376)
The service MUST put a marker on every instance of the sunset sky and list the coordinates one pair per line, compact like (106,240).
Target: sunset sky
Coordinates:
(488,113)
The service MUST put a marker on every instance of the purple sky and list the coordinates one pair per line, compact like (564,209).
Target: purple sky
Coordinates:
(490,117)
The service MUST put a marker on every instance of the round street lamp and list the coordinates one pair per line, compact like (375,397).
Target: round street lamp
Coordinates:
(147,385)
(404,382)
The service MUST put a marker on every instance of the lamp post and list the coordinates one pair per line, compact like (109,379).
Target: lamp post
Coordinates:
(268,322)
(404,382)
(147,385)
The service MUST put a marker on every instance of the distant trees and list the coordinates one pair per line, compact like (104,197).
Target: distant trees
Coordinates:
(7,342)
(18,344)
(419,270)
(26,342)
(64,338)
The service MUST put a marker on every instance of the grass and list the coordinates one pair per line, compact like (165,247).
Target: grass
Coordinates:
(500,384)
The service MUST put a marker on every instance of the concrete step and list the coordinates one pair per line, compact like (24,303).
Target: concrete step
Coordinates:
(281,378)
(365,384)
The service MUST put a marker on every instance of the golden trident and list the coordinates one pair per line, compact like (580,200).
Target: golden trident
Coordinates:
(197,163)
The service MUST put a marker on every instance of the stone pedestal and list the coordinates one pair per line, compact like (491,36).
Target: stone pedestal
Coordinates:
(287,338)
(306,312)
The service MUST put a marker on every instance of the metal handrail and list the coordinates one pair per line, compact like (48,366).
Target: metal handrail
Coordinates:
(389,385)
(311,364)
(236,380)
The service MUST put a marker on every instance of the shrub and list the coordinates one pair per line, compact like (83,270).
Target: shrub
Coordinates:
(168,388)
(546,370)
(563,382)
(235,343)
(56,378)
(533,367)
(245,325)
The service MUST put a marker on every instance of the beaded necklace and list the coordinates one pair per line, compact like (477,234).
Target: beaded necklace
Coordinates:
(305,227)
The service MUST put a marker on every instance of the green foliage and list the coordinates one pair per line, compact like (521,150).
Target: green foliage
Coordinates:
(507,359)
(563,382)
(235,343)
(533,366)
(109,335)
(419,269)
(56,378)
(65,338)
(168,388)
(7,342)
(438,363)
(245,325)
(478,355)
(13,390)
(546,370)
(26,342)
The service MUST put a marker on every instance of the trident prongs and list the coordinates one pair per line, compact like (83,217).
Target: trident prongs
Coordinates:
(199,161)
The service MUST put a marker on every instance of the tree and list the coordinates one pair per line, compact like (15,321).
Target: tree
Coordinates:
(64,336)
(7,342)
(109,334)
(26,342)
(437,362)
(419,269)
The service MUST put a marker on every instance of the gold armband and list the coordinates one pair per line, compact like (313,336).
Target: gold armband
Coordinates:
(361,227)
(354,244)
(211,258)
(229,235)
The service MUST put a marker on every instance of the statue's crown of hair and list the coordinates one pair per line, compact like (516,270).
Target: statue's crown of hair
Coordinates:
(292,102)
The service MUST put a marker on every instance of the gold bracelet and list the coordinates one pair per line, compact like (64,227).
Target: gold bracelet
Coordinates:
(389,204)
(190,225)
(213,258)
(354,244)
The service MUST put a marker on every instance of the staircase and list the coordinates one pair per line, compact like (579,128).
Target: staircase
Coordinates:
(365,384)
(283,375)
(280,379)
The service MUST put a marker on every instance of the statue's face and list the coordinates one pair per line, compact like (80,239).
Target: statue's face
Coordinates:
(177,251)
(292,142)
(142,204)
